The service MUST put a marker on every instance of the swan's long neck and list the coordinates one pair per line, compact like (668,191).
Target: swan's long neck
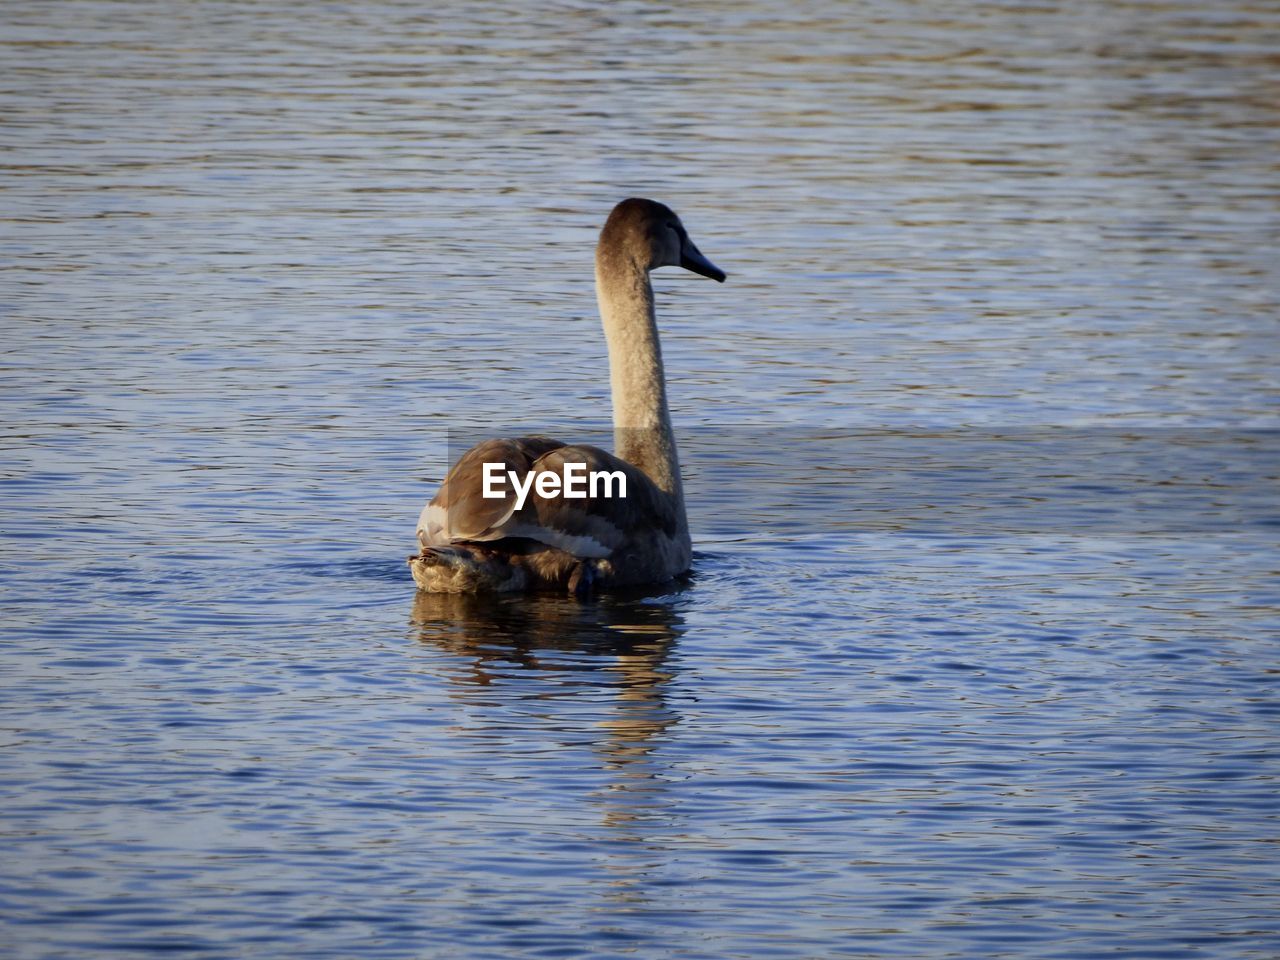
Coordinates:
(642,431)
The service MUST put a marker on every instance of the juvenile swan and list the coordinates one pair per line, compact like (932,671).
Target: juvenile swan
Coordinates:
(471,542)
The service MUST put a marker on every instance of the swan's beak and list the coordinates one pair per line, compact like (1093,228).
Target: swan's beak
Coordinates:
(691,258)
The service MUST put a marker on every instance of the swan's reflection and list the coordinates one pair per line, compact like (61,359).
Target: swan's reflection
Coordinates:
(613,651)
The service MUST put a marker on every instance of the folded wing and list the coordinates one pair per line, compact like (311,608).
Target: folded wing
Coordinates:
(587,527)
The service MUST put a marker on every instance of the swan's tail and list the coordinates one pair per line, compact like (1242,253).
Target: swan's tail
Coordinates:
(464,568)
(475,568)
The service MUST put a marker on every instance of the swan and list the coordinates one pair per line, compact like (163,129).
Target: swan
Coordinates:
(491,528)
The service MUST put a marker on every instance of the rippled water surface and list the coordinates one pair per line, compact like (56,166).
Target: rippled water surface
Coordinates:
(979,655)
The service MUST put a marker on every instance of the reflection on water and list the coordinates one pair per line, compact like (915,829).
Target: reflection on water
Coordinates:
(979,655)
(613,652)
(619,624)
(613,649)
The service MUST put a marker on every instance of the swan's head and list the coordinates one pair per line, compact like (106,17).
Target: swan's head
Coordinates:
(649,233)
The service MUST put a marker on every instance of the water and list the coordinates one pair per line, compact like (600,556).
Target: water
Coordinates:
(978,657)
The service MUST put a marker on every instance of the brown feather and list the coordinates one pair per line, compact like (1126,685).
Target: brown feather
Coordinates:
(470,515)
(550,541)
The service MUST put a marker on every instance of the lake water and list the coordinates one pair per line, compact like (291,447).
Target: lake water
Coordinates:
(979,656)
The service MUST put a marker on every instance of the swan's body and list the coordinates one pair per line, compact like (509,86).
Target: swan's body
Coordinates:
(471,542)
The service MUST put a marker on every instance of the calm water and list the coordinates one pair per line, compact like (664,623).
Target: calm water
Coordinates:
(979,658)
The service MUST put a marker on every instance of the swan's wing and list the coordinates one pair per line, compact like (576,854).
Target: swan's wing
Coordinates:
(460,511)
(593,526)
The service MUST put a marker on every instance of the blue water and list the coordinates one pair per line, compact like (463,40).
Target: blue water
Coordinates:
(979,654)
